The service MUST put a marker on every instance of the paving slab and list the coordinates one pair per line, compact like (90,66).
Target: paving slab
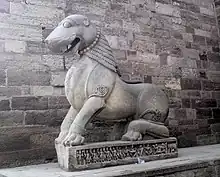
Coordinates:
(188,159)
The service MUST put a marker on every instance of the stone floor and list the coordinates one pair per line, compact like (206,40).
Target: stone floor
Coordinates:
(188,158)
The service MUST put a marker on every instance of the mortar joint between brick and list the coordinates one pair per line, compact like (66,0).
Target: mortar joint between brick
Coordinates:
(216,18)
(6,77)
(10,103)
(47,102)
(24,121)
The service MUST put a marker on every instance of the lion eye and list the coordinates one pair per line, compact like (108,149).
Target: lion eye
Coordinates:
(67,24)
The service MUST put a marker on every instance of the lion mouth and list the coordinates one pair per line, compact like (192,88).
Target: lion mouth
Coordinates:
(72,45)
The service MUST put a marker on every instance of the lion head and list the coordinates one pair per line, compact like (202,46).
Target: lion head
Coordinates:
(74,33)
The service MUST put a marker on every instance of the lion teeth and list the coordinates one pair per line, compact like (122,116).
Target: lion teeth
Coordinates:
(69,46)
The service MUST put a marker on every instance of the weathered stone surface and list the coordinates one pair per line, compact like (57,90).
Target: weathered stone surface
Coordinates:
(14,91)
(51,3)
(14,143)
(26,157)
(17,138)
(58,102)
(216,113)
(15,46)
(215,128)
(167,10)
(206,11)
(29,62)
(35,11)
(175,103)
(199,32)
(41,90)
(190,94)
(186,103)
(190,54)
(203,56)
(189,29)
(205,95)
(2,78)
(209,85)
(22,77)
(205,103)
(2,45)
(46,32)
(57,91)
(203,113)
(188,37)
(4,6)
(120,54)
(106,154)
(26,130)
(180,113)
(10,118)
(191,114)
(15,146)
(36,48)
(51,118)
(147,79)
(43,140)
(29,103)
(206,139)
(57,79)
(26,20)
(190,84)
(173,83)
(54,62)
(199,39)
(100,132)
(214,57)
(188,139)
(214,76)
(4,105)
(20,32)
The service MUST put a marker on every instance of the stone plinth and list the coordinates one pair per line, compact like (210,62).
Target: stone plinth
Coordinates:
(104,154)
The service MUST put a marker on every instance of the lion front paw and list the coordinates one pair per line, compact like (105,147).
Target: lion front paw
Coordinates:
(73,139)
(61,137)
(132,136)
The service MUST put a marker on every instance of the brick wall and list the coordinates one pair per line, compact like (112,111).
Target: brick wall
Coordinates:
(217,11)
(172,43)
(30,107)
(26,66)
(167,42)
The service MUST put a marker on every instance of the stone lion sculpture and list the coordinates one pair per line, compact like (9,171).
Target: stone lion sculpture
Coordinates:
(94,88)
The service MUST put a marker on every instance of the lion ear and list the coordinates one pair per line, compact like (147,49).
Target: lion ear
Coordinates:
(86,22)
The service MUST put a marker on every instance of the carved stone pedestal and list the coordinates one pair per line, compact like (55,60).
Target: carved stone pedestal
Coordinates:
(104,154)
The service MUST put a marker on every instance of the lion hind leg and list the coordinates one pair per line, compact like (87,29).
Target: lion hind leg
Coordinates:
(153,105)
(152,111)
(138,128)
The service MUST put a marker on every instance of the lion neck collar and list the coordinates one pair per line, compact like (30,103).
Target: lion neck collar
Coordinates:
(101,52)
